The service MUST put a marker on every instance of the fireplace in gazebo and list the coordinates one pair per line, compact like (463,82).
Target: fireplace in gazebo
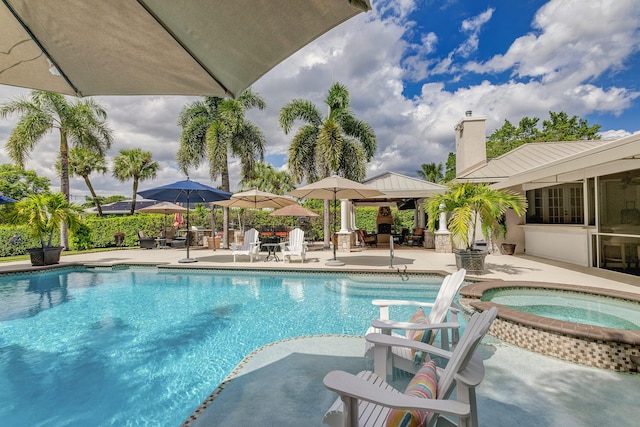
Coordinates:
(384,224)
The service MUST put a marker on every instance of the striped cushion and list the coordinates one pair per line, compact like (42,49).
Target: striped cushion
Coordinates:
(424,384)
(423,336)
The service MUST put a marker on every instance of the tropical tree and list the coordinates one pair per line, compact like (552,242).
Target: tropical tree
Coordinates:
(137,165)
(266,178)
(18,183)
(337,143)
(559,127)
(215,129)
(472,205)
(431,172)
(79,123)
(83,162)
(450,168)
(43,213)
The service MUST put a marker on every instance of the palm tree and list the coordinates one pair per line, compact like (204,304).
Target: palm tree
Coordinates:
(43,213)
(431,172)
(471,205)
(338,143)
(214,129)
(81,123)
(136,164)
(266,178)
(82,162)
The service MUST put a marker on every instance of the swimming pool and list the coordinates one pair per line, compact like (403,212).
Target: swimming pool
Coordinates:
(145,346)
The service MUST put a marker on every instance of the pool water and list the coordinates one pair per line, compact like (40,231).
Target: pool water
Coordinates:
(570,306)
(144,347)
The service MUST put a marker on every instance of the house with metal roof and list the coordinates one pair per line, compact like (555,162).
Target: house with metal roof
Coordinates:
(584,196)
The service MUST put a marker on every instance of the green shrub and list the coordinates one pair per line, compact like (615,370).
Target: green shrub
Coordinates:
(15,240)
(80,239)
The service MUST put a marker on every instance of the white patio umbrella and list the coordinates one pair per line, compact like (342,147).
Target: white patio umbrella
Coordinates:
(164,208)
(150,47)
(294,210)
(256,199)
(335,187)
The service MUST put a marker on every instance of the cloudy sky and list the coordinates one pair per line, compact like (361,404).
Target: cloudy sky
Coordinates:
(413,68)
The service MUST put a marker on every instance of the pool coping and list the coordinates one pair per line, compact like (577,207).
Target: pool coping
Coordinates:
(617,349)
(474,292)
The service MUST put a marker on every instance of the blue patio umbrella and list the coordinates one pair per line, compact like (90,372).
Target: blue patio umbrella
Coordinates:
(186,191)
(5,199)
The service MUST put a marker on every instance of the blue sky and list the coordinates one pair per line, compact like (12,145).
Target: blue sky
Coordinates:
(413,68)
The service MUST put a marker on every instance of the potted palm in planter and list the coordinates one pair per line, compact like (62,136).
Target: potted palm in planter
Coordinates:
(43,214)
(473,206)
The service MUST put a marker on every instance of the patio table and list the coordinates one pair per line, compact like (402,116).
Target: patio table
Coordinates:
(271,251)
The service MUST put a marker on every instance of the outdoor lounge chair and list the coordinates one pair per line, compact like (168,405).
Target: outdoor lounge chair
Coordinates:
(367,239)
(296,246)
(146,242)
(179,242)
(250,246)
(437,320)
(416,237)
(367,400)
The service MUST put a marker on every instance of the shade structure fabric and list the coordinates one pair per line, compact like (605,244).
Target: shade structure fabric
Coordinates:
(257,199)
(294,210)
(335,187)
(163,208)
(157,47)
(186,191)
(5,199)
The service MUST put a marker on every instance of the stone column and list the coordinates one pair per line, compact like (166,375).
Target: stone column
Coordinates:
(346,238)
(344,216)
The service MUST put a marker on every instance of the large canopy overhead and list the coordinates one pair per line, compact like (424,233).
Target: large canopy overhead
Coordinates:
(157,47)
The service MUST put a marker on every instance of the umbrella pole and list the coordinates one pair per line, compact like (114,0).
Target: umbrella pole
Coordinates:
(187,259)
(334,261)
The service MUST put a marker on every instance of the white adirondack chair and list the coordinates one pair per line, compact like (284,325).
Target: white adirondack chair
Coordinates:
(437,319)
(250,246)
(296,246)
(366,399)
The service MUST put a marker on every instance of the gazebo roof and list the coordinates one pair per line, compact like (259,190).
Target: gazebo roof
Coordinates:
(400,187)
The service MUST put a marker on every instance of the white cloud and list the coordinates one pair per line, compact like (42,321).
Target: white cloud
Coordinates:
(473,26)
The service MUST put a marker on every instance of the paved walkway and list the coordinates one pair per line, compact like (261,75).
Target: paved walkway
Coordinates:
(281,384)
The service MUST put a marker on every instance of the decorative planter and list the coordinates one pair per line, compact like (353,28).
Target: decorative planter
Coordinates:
(472,261)
(119,238)
(508,248)
(45,256)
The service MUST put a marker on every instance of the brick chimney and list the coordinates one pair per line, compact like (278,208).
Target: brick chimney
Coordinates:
(471,143)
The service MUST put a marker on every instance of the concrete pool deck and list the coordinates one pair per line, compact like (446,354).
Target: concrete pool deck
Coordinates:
(281,383)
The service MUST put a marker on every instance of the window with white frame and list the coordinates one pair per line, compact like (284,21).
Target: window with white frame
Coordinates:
(560,204)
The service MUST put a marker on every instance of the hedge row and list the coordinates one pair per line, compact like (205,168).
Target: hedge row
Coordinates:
(99,232)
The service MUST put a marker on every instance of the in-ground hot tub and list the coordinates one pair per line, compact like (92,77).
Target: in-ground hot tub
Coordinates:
(590,336)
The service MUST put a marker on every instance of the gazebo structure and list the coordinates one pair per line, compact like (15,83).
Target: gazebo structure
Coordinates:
(399,190)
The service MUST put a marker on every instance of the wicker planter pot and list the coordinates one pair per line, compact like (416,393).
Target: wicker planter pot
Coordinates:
(45,256)
(472,261)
